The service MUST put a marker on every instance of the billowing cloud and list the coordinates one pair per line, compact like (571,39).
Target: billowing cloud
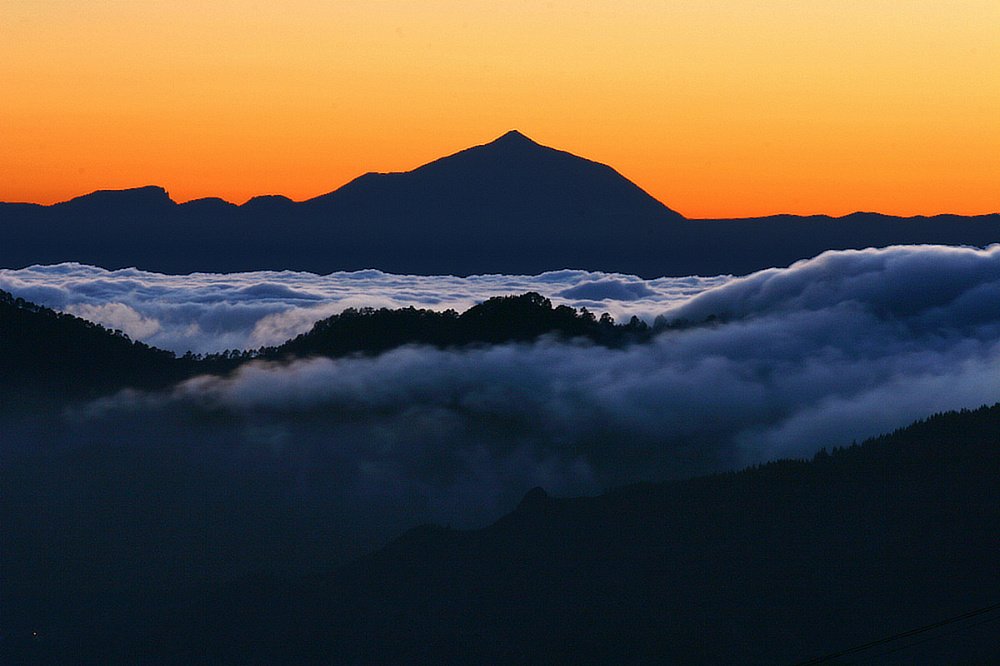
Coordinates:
(829,350)
(609,289)
(920,285)
(117,316)
(206,312)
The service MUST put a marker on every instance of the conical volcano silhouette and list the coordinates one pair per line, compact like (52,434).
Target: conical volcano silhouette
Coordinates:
(512,181)
(512,137)
(508,206)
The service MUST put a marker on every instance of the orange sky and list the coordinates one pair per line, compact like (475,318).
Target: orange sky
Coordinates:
(717,108)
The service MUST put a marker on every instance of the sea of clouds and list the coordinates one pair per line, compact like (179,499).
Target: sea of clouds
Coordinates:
(211,312)
(836,348)
(778,363)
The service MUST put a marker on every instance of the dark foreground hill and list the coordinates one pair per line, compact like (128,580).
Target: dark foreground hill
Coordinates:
(775,564)
(48,355)
(509,206)
(128,540)
(501,319)
(45,354)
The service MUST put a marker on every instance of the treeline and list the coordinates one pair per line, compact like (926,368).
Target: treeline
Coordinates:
(498,320)
(57,353)
(502,319)
(47,353)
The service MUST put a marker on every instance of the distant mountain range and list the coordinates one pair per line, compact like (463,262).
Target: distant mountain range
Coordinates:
(509,206)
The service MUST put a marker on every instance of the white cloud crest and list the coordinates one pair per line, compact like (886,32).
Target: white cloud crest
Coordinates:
(208,312)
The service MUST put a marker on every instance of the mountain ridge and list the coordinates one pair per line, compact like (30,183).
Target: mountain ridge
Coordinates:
(513,137)
(802,557)
(507,206)
(42,350)
(857,214)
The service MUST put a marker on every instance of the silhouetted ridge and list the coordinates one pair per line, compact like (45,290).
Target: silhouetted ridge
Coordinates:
(135,199)
(47,353)
(210,207)
(269,203)
(42,350)
(514,137)
(509,206)
(773,564)
(497,320)
(507,183)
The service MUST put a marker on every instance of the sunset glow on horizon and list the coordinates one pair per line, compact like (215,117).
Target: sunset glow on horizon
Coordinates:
(718,109)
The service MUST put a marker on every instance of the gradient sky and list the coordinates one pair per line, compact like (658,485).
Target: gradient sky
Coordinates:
(731,108)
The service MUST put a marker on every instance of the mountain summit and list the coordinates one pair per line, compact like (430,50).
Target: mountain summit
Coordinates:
(512,183)
(136,198)
(511,205)
(514,136)
(508,206)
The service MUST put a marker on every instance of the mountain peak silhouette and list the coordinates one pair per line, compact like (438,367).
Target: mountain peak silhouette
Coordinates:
(511,183)
(268,202)
(149,195)
(511,205)
(514,137)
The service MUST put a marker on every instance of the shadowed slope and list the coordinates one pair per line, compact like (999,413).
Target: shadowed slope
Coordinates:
(47,355)
(498,320)
(770,565)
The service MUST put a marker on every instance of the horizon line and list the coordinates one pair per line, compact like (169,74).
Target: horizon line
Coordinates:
(255,197)
(508,136)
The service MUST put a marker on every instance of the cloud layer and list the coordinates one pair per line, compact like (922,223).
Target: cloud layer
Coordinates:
(208,312)
(837,348)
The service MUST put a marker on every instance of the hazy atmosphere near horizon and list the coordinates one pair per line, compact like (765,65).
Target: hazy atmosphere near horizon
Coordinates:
(499,332)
